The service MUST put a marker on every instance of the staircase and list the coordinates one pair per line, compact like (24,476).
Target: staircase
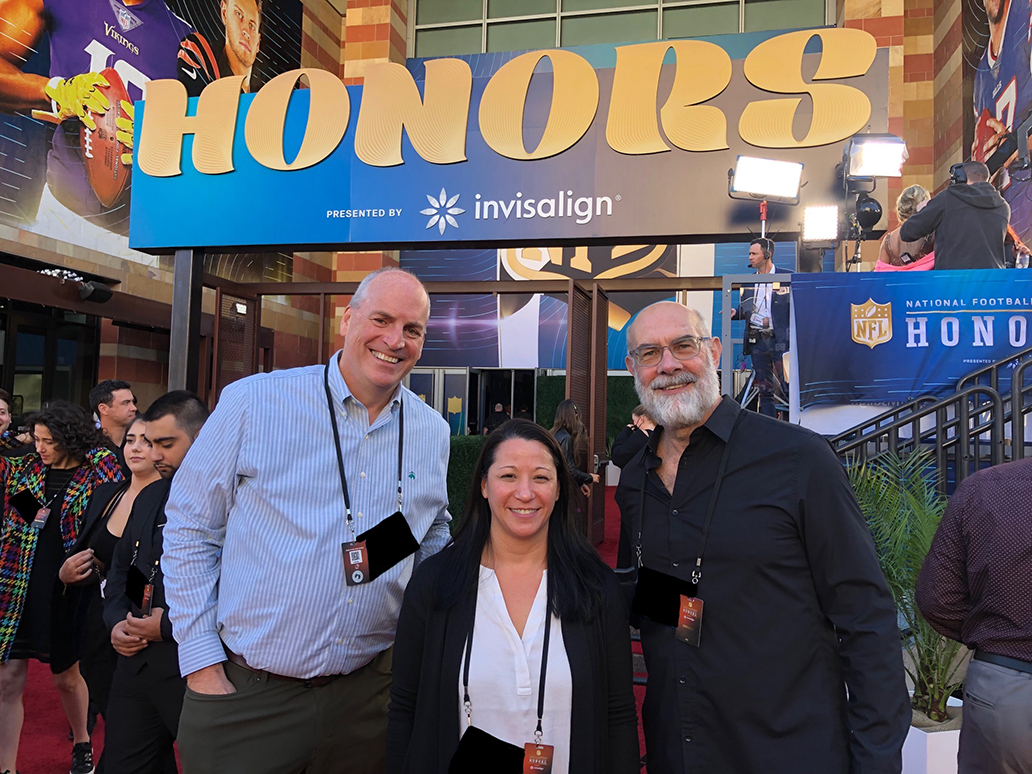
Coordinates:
(975,427)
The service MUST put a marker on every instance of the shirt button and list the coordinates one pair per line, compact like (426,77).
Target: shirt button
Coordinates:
(687,738)
(683,680)
(367,436)
(340,640)
(675,512)
(362,474)
(359,516)
(351,601)
(676,564)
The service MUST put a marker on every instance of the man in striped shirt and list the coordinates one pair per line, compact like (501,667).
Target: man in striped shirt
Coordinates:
(286,649)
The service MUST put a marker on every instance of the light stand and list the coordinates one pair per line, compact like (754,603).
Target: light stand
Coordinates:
(866,215)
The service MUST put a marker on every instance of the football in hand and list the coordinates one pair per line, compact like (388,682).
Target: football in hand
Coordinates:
(101,150)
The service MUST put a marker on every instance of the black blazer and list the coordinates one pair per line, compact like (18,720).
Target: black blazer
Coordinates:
(423,721)
(566,444)
(145,525)
(99,501)
(630,441)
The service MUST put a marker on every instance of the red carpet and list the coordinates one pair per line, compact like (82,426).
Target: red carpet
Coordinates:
(45,748)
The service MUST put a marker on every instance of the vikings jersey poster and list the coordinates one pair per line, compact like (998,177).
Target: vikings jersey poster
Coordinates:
(59,177)
(998,64)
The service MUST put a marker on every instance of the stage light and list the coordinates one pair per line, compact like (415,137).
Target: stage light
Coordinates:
(767,179)
(868,156)
(868,212)
(821,224)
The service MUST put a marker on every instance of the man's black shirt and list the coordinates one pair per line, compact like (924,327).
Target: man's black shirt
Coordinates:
(796,610)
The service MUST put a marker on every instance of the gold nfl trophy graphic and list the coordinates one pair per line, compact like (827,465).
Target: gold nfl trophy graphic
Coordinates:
(871,323)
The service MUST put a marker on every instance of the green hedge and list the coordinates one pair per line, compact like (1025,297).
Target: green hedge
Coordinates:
(465,449)
(620,401)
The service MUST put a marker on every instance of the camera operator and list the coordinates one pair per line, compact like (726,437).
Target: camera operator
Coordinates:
(969,220)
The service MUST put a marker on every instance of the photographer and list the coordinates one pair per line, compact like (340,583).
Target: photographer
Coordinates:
(969,220)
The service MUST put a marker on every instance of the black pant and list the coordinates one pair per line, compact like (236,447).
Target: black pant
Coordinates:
(142,717)
(766,364)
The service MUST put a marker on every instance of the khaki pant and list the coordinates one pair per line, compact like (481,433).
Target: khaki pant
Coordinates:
(996,734)
(274,726)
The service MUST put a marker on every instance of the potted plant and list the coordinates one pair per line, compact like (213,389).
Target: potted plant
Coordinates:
(902,504)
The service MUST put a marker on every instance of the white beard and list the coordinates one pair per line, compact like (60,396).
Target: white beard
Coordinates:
(685,409)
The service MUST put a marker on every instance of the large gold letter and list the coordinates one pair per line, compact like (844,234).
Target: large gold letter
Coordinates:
(574,102)
(165,122)
(329,109)
(436,124)
(838,111)
(703,70)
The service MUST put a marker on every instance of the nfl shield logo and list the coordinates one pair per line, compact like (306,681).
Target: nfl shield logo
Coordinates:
(127,20)
(872,323)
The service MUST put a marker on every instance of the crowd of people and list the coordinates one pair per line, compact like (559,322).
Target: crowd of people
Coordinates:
(293,600)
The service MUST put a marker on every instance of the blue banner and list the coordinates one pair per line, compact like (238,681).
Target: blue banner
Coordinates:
(893,337)
(589,186)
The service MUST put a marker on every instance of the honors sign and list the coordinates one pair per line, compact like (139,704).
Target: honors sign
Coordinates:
(563,146)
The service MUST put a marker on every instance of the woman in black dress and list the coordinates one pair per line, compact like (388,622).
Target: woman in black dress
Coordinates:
(91,556)
(45,495)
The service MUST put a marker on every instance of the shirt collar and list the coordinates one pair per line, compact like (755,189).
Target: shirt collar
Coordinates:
(720,423)
(342,393)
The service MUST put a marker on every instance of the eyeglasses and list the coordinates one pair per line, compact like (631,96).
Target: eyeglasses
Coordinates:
(683,349)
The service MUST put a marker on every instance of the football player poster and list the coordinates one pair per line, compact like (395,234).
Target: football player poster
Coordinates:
(70,71)
(998,56)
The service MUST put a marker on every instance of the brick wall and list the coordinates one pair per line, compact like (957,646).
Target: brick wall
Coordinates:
(137,356)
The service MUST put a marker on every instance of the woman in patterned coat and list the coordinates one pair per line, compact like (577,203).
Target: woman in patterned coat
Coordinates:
(45,496)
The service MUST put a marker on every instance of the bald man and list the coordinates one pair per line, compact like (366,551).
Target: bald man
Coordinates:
(294,525)
(759,592)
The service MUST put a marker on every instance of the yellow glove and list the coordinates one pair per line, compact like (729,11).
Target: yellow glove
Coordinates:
(125,130)
(76,96)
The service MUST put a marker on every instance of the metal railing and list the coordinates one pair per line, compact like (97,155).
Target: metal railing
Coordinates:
(965,429)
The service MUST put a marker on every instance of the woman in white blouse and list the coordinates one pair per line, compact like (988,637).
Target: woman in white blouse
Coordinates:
(462,703)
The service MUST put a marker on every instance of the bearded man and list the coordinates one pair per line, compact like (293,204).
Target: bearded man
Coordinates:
(768,630)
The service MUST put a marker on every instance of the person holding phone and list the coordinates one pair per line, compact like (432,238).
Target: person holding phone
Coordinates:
(45,495)
(90,559)
(513,644)
(146,696)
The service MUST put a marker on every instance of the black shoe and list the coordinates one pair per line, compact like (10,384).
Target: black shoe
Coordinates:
(82,758)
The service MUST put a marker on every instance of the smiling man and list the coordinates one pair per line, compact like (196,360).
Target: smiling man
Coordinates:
(294,526)
(759,593)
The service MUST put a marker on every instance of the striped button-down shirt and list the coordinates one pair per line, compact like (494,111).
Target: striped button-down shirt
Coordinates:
(252,547)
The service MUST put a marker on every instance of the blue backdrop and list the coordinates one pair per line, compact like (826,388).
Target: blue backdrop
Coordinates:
(873,338)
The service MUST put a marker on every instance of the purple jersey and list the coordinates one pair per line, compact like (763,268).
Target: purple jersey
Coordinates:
(1003,87)
(140,42)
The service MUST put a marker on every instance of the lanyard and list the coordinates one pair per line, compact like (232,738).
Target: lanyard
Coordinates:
(467,705)
(340,458)
(697,570)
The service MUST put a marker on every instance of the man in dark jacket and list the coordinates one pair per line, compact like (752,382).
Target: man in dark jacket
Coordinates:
(147,690)
(969,220)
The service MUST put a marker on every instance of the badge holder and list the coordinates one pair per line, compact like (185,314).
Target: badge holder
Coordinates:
(670,600)
(479,751)
(373,552)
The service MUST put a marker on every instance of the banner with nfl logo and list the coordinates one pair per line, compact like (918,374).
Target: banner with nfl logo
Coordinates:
(893,337)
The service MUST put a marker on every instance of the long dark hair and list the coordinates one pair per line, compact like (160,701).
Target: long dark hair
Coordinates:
(568,418)
(73,431)
(576,574)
